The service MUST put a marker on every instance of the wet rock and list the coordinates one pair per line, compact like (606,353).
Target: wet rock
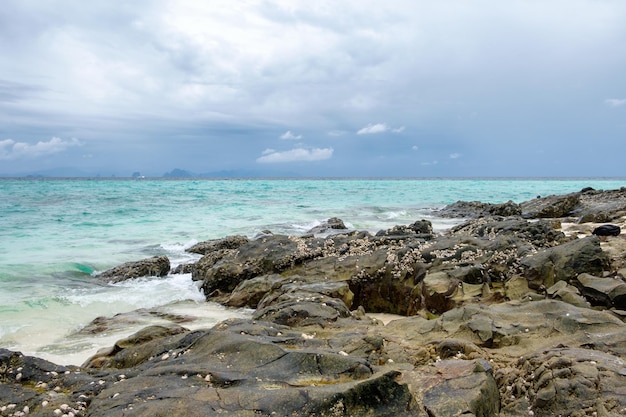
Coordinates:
(332,225)
(213,245)
(422,229)
(184,268)
(158,266)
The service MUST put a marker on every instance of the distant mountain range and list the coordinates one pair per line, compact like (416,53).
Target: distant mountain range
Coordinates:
(175,173)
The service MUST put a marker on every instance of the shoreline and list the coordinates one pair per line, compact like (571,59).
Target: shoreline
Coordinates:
(514,293)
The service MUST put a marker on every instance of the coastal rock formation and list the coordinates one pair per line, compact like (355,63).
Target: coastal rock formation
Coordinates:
(513,312)
(157,266)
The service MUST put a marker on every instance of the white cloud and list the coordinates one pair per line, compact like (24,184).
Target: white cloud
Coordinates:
(455,155)
(10,149)
(290,136)
(271,156)
(430,163)
(615,102)
(415,147)
(371,129)
(337,133)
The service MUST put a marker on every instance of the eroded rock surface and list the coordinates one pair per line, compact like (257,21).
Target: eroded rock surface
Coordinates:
(503,315)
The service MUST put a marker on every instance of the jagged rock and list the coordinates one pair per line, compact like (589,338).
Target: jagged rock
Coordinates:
(156,266)
(564,262)
(183,268)
(271,254)
(229,242)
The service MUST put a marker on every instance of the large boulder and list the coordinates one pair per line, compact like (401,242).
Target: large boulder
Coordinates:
(564,262)
(158,266)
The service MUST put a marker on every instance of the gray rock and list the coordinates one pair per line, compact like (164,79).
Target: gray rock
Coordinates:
(213,245)
(158,266)
(564,262)
(608,292)
(332,225)
(462,388)
(551,206)
(477,209)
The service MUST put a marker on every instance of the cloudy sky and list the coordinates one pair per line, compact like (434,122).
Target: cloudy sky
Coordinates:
(317,88)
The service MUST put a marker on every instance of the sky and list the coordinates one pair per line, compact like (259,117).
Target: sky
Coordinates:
(350,88)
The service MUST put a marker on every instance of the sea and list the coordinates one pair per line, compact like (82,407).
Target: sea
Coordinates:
(57,234)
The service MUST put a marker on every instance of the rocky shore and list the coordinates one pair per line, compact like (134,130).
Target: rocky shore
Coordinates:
(518,311)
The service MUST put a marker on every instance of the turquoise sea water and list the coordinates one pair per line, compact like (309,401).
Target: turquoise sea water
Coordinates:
(54,234)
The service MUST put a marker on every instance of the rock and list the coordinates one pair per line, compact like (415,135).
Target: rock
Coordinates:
(551,206)
(229,242)
(249,292)
(183,268)
(564,262)
(608,292)
(156,266)
(568,381)
(422,229)
(332,225)
(461,388)
(567,293)
(476,209)
(607,230)
(138,348)
(240,369)
(302,309)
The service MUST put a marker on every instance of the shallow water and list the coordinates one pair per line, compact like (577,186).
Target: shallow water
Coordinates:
(55,234)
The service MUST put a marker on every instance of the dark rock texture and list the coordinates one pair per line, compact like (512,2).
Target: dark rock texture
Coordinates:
(157,266)
(508,314)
